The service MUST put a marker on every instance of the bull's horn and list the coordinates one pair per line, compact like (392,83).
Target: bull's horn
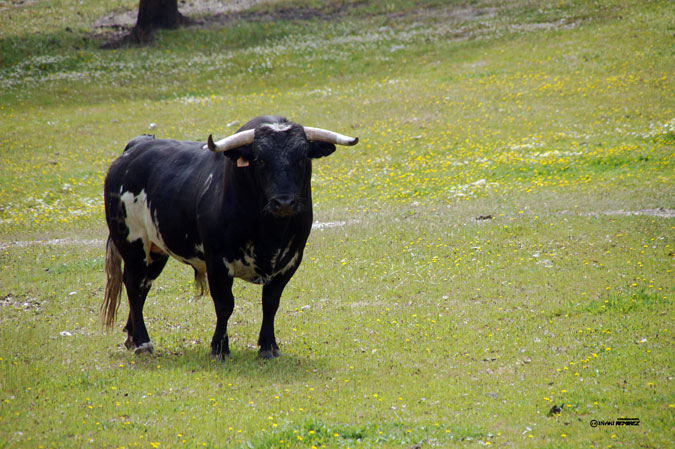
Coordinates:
(231,142)
(323,135)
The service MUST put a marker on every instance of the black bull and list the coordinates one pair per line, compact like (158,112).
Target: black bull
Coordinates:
(242,210)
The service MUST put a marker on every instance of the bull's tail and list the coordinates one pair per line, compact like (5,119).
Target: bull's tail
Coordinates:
(201,284)
(113,284)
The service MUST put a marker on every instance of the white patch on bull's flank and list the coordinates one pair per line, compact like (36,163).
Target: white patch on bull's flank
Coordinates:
(277,127)
(140,222)
(143,225)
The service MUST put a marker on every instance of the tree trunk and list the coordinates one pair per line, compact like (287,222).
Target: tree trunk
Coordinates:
(152,14)
(158,14)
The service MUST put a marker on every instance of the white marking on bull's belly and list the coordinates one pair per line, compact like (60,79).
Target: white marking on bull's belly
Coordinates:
(245,268)
(248,270)
(238,269)
(196,262)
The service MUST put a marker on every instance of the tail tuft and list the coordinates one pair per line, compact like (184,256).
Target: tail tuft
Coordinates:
(113,284)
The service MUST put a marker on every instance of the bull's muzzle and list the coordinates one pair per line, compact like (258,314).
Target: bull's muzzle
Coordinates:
(283,205)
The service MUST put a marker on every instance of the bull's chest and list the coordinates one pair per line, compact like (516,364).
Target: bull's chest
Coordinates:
(260,265)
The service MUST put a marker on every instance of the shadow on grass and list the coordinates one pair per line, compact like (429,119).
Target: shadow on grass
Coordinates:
(243,363)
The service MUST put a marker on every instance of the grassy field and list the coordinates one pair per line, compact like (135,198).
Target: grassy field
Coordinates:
(502,246)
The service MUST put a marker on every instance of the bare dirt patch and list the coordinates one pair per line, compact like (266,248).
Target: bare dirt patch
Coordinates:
(112,26)
(659,212)
(53,242)
(219,13)
(20,302)
(126,19)
(199,12)
(317,225)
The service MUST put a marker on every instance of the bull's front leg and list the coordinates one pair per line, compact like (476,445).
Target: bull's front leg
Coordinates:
(220,284)
(271,296)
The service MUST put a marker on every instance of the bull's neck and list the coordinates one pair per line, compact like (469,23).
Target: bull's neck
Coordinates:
(242,189)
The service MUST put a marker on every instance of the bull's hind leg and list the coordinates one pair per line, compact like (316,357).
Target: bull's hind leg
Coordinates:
(138,279)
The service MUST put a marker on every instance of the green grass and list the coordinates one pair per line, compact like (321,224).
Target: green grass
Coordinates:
(417,323)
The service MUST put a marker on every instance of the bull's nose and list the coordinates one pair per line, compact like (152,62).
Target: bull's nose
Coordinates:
(283,204)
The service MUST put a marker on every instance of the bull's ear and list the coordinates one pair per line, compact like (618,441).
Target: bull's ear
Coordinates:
(242,153)
(320,149)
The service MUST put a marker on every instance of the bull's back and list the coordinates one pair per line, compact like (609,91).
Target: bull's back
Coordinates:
(159,164)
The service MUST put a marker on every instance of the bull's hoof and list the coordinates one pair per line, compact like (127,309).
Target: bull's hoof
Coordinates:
(145,348)
(269,353)
(220,356)
(129,342)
